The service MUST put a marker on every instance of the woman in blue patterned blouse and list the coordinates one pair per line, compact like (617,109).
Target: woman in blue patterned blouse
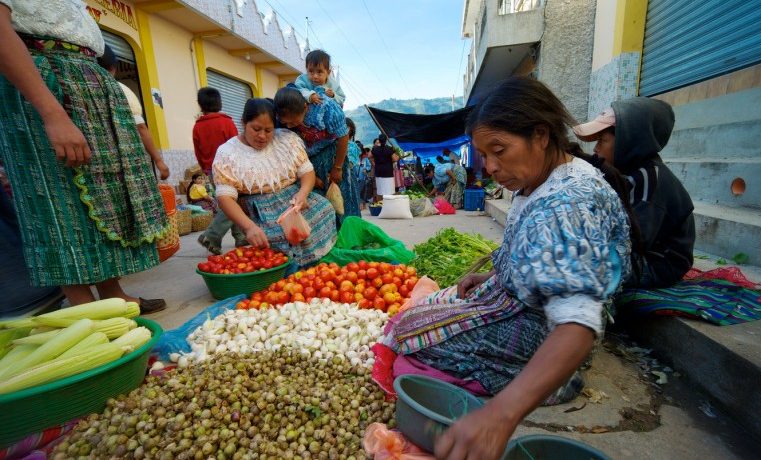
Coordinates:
(523,330)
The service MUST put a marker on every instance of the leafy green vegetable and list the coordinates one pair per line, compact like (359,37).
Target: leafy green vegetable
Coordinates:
(740,258)
(721,261)
(701,257)
(450,254)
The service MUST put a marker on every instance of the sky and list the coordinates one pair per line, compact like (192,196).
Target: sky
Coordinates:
(384,49)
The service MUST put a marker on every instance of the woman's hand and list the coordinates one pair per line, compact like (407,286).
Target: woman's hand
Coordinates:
(471,282)
(300,201)
(336,175)
(319,183)
(329,92)
(67,140)
(163,170)
(482,434)
(315,98)
(255,235)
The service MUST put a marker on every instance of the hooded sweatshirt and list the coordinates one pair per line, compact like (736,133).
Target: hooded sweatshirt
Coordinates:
(210,131)
(661,204)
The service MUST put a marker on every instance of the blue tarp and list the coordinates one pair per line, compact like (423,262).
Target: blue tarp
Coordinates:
(427,150)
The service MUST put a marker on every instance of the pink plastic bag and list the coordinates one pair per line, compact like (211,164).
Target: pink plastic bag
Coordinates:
(295,227)
(424,287)
(443,206)
(385,444)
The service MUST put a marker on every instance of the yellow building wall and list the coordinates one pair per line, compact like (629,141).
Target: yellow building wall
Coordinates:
(270,83)
(115,16)
(605,28)
(177,71)
(219,60)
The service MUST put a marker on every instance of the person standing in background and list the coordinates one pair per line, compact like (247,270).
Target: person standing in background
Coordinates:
(384,168)
(108,62)
(85,193)
(212,129)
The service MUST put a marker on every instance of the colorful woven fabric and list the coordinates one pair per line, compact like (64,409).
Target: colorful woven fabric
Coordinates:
(265,209)
(88,224)
(717,301)
(41,443)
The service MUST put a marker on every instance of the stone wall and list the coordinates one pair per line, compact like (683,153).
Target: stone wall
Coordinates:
(565,57)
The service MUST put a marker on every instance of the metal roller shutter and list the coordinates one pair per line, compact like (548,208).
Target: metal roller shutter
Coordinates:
(687,41)
(234,95)
(121,48)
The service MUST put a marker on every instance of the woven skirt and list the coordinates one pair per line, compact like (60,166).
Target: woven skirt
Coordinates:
(88,224)
(266,208)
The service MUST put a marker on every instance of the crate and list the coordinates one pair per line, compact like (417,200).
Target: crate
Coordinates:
(474,199)
(35,409)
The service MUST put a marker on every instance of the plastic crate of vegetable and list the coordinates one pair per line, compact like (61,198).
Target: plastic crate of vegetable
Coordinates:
(34,409)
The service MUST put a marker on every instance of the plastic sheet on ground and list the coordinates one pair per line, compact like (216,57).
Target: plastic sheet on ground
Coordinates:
(175,340)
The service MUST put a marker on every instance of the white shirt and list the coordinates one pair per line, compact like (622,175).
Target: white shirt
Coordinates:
(66,20)
(134,103)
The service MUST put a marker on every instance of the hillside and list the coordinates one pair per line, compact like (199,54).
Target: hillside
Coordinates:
(366,129)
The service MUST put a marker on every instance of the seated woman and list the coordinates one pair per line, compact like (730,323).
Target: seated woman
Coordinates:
(523,330)
(259,174)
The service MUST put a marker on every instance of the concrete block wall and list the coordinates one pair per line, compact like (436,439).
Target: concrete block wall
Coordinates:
(715,150)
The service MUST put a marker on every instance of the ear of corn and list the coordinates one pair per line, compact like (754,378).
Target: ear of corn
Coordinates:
(96,338)
(9,335)
(51,349)
(37,339)
(114,327)
(17,323)
(101,309)
(134,339)
(133,310)
(16,353)
(61,368)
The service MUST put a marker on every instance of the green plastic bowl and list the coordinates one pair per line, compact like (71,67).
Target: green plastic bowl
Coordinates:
(427,407)
(550,448)
(224,286)
(35,409)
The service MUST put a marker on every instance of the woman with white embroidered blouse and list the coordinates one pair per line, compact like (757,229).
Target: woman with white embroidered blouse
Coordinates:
(260,174)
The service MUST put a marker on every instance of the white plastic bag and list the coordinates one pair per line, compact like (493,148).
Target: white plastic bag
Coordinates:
(295,227)
(336,199)
(396,207)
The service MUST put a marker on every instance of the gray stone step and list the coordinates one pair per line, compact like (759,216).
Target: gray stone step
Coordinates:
(710,179)
(497,209)
(726,231)
(722,361)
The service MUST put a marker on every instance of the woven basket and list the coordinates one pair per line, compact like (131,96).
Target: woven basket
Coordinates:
(184,221)
(201,221)
(170,243)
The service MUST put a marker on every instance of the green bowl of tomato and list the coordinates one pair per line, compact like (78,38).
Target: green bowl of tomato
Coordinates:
(234,273)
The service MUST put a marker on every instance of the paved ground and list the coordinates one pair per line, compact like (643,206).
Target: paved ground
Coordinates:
(634,417)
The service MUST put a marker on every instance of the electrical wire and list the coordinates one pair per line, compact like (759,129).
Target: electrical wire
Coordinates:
(351,44)
(391,57)
(459,70)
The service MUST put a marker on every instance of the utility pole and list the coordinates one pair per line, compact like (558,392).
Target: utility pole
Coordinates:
(307,29)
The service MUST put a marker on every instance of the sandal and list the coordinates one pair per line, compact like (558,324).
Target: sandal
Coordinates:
(204,241)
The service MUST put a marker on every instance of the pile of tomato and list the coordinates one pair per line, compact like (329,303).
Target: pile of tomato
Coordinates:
(245,259)
(377,285)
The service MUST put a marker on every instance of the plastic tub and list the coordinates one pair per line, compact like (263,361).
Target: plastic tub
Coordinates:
(375,210)
(37,408)
(547,447)
(427,407)
(224,286)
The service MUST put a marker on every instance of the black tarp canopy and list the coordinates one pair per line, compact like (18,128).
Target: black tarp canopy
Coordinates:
(432,129)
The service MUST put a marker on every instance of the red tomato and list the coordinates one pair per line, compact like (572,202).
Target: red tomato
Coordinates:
(389,298)
(370,293)
(362,265)
(397,281)
(298,297)
(327,275)
(379,304)
(204,267)
(325,292)
(297,288)
(283,297)
(404,291)
(410,284)
(377,282)
(310,292)
(352,277)
(347,297)
(373,264)
(335,295)
(352,267)
(362,274)
(372,273)
(398,272)
(364,303)
(346,286)
(387,278)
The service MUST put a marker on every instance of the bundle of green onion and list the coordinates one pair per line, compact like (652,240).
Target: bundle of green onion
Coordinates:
(66,342)
(450,254)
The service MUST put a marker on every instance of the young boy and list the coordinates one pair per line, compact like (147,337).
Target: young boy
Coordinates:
(211,130)
(318,78)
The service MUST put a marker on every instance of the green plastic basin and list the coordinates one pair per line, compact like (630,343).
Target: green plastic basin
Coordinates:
(426,407)
(546,447)
(35,409)
(225,286)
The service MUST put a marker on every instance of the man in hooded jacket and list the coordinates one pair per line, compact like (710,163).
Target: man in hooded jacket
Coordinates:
(629,136)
